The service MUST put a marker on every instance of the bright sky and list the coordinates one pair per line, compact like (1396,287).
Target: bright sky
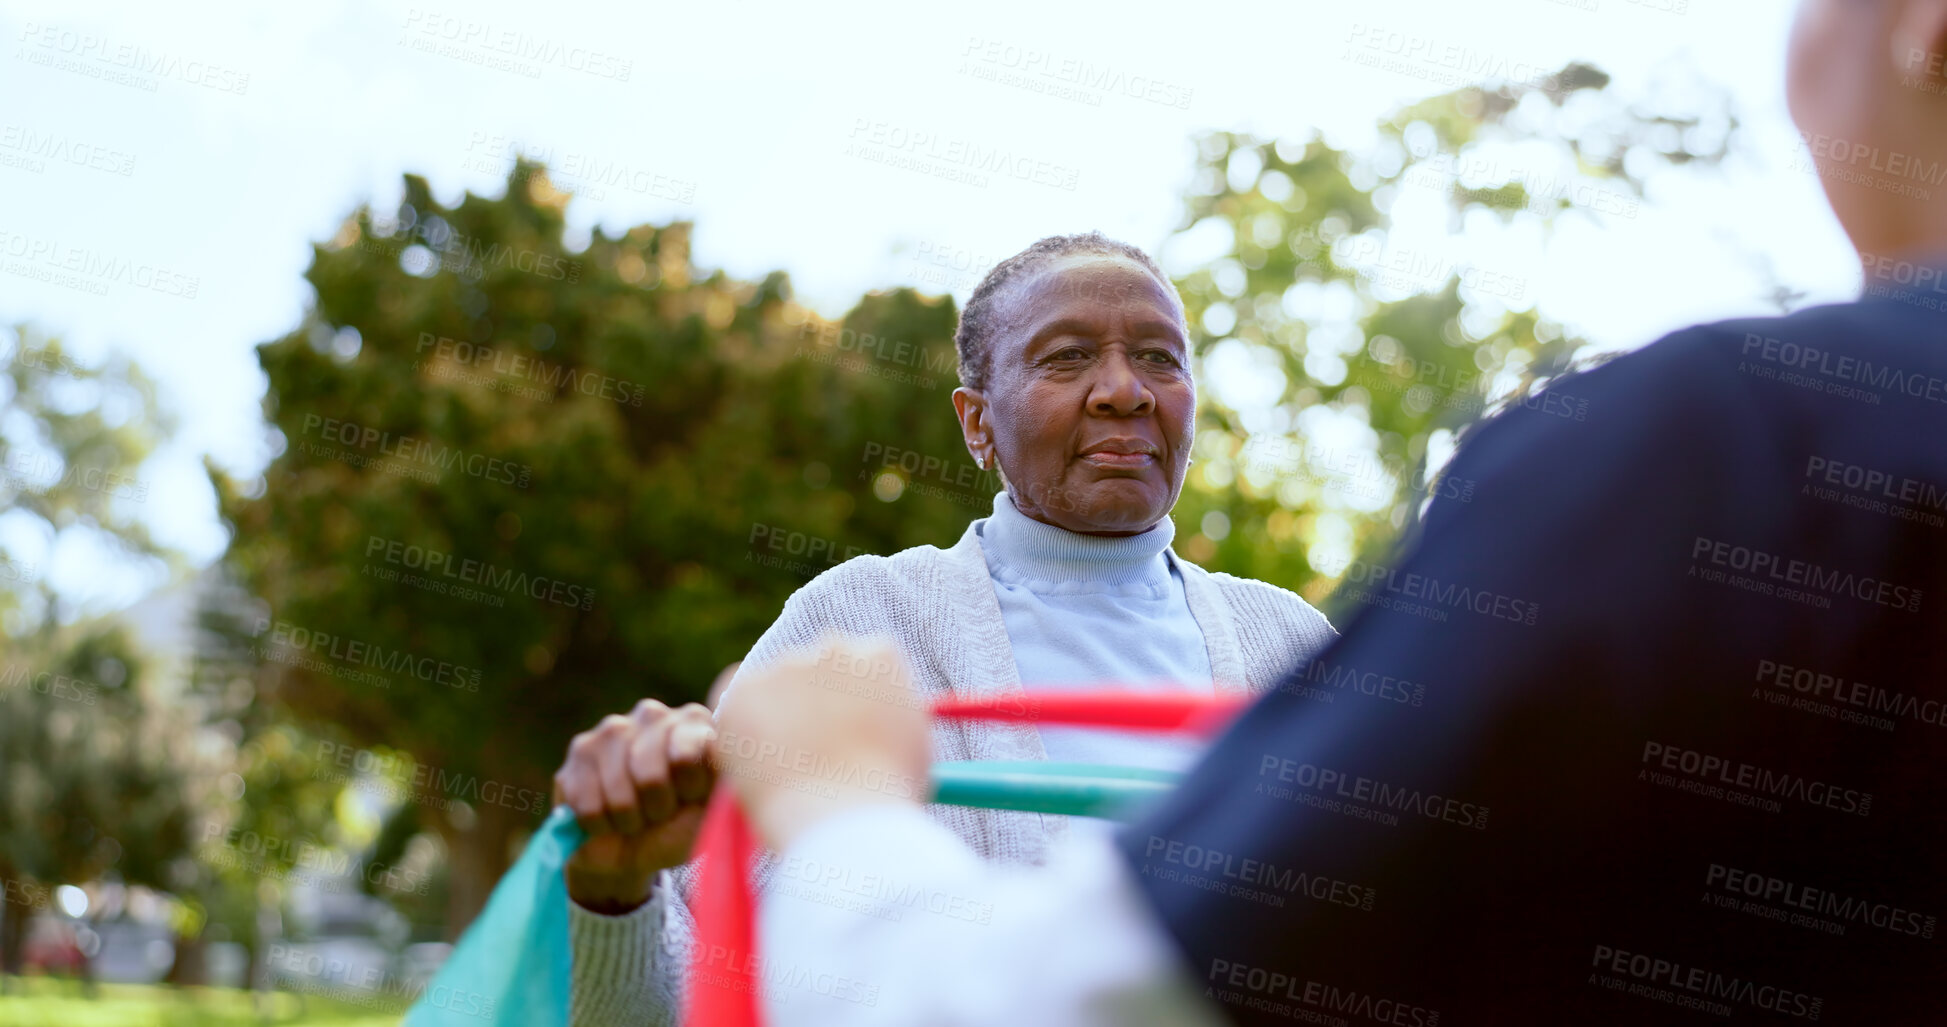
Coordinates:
(215,145)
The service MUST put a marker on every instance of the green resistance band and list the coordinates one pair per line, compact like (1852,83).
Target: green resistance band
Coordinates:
(1074,789)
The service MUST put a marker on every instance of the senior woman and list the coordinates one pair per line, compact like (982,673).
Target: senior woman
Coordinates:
(1076,388)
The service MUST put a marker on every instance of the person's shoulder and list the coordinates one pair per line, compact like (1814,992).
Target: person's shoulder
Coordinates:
(1863,341)
(916,567)
(1826,340)
(867,571)
(1690,380)
(1689,364)
(1668,412)
(1702,405)
(1252,595)
(1249,589)
(1864,323)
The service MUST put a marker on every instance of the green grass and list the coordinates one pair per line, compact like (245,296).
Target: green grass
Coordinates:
(47,1002)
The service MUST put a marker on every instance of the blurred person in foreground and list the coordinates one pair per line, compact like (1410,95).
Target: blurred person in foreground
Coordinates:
(1709,781)
(1075,363)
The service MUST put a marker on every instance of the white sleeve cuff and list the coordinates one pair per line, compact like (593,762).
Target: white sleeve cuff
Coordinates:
(895,834)
(881,916)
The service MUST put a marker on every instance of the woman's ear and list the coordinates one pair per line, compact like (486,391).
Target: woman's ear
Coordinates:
(971,407)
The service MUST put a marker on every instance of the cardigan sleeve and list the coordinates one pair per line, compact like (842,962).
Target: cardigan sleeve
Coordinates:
(1277,630)
(627,970)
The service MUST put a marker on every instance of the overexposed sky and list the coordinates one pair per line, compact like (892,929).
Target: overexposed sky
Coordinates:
(214,142)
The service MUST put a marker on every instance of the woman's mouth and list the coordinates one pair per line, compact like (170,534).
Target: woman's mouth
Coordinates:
(1109,459)
(1121,452)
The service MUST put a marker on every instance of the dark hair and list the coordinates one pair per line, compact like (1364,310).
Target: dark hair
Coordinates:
(977,321)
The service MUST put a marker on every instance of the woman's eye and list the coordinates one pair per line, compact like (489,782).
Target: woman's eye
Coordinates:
(1072,353)
(1160,356)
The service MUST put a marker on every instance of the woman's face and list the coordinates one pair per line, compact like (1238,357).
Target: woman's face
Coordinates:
(1089,404)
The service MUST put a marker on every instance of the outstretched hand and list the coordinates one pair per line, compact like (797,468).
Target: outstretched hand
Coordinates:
(824,732)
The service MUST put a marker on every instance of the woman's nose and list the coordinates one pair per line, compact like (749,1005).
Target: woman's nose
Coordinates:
(1118,390)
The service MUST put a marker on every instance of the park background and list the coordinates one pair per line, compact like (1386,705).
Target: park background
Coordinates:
(647,311)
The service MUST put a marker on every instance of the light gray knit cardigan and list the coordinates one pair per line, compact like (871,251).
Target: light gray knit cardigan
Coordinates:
(938,606)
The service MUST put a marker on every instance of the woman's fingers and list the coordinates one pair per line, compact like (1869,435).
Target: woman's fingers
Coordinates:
(612,771)
(578,783)
(648,761)
(692,763)
(635,773)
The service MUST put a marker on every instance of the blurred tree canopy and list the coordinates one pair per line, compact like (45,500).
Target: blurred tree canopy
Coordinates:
(648,458)
(1370,341)
(518,486)
(98,777)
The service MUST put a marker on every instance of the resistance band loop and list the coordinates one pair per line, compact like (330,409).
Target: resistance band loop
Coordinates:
(723,989)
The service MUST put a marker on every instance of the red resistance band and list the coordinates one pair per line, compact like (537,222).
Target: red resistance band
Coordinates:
(724,973)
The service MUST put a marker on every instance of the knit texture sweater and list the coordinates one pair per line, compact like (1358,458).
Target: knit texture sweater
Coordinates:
(939,608)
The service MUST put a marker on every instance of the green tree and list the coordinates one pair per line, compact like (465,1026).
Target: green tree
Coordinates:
(641,458)
(97,772)
(269,809)
(1369,355)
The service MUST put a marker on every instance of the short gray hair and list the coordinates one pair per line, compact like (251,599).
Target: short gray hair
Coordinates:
(979,321)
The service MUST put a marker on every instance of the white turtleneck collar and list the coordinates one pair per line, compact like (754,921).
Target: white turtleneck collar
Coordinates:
(1052,561)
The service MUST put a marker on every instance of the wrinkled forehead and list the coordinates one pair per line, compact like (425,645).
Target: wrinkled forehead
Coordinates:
(1092,288)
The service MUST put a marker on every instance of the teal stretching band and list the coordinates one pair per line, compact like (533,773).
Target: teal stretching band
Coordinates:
(1074,789)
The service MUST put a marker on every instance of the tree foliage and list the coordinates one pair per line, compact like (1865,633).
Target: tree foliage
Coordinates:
(640,459)
(97,770)
(1372,348)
